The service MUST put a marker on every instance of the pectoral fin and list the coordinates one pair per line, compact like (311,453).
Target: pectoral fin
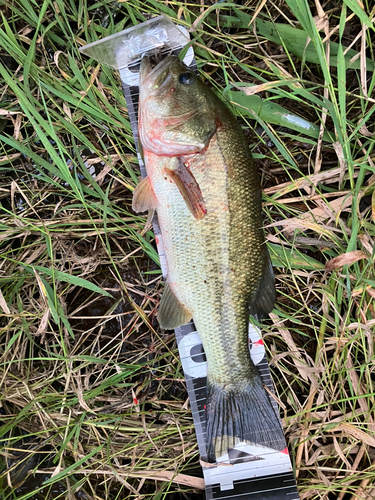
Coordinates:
(189,189)
(144,197)
(171,312)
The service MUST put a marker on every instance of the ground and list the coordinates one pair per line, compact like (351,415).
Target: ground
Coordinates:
(93,399)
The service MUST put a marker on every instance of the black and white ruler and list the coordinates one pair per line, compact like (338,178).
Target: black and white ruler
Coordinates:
(250,472)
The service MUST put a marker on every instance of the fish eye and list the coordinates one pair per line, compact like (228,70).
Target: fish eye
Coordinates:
(187,78)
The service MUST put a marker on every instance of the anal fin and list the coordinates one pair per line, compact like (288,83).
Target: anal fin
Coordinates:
(144,197)
(171,312)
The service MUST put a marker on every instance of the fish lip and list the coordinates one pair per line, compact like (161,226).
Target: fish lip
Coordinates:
(147,75)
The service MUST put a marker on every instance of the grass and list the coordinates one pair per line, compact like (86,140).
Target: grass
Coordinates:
(93,400)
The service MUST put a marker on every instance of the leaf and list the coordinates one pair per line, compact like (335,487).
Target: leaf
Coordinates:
(355,6)
(291,258)
(3,304)
(193,482)
(274,139)
(70,278)
(345,259)
(295,41)
(13,339)
(67,472)
(271,112)
(356,433)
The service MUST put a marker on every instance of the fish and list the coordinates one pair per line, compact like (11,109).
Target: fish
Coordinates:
(203,184)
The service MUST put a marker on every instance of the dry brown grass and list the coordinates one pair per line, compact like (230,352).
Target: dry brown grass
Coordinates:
(93,398)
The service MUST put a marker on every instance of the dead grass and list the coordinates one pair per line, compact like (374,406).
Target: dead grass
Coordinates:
(93,399)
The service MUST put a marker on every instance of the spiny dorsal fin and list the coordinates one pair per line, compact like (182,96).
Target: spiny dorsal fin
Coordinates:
(144,196)
(171,312)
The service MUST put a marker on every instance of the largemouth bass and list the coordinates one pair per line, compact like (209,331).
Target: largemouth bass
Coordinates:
(202,181)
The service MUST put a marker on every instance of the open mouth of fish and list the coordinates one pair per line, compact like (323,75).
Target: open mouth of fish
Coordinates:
(155,59)
(155,73)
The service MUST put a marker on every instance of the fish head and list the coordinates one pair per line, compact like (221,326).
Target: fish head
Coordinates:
(168,84)
(177,112)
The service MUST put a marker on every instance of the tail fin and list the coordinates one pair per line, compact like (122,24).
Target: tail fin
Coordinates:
(240,412)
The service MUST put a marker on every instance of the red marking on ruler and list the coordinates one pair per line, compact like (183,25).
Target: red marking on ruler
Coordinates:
(259,342)
(135,401)
(285,450)
(157,240)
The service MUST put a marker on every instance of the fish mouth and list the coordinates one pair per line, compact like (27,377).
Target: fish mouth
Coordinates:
(156,76)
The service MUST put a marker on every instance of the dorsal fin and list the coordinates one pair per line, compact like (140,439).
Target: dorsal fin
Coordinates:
(264,298)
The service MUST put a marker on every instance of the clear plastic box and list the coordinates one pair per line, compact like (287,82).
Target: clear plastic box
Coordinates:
(127,47)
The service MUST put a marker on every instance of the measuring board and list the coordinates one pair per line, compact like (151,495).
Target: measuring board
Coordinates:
(247,472)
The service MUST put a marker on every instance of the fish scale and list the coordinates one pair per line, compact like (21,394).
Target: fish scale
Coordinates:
(205,188)
(212,269)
